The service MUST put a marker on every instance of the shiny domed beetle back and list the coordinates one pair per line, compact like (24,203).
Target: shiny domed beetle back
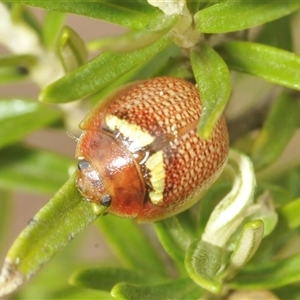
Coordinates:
(140,153)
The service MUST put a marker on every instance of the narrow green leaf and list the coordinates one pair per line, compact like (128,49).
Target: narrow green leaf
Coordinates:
(214,83)
(137,39)
(52,26)
(105,278)
(131,244)
(272,64)
(156,66)
(134,15)
(180,289)
(52,281)
(173,238)
(236,15)
(274,136)
(98,73)
(202,262)
(71,49)
(52,228)
(247,244)
(5,215)
(22,60)
(33,170)
(270,275)
(290,212)
(19,117)
(114,85)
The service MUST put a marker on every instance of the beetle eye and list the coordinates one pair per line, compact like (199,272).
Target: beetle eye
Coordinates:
(106,200)
(83,164)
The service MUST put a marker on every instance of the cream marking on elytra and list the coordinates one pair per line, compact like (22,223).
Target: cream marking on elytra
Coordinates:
(135,134)
(155,164)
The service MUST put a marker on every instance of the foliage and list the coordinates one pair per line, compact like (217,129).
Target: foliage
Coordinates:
(209,42)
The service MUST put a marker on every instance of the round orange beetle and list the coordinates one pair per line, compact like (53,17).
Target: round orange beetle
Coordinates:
(140,154)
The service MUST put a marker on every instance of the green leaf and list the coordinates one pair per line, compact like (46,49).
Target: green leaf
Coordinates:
(52,26)
(180,289)
(134,15)
(155,67)
(131,244)
(173,238)
(274,136)
(247,244)
(5,215)
(52,281)
(137,39)
(105,278)
(22,60)
(236,15)
(202,263)
(99,72)
(214,83)
(290,212)
(52,228)
(33,170)
(19,117)
(269,275)
(272,64)
(71,49)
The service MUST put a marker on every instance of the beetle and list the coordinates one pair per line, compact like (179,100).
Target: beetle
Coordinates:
(140,155)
